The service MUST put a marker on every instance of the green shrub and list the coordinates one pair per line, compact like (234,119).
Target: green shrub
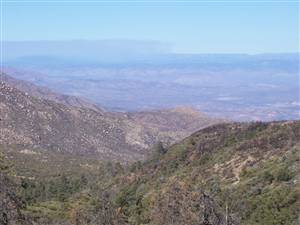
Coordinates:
(283,174)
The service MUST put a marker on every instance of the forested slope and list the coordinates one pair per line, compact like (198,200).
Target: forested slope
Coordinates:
(235,173)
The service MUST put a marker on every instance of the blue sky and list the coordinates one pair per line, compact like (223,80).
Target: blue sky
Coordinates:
(190,27)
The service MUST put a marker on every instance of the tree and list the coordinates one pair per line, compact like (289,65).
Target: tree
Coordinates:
(63,188)
(106,212)
(159,148)
(10,203)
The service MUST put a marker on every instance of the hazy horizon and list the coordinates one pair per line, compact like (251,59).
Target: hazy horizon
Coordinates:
(105,51)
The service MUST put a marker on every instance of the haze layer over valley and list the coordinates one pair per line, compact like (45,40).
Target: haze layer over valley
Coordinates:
(234,86)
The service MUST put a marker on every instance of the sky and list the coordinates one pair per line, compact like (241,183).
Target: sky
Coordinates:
(187,26)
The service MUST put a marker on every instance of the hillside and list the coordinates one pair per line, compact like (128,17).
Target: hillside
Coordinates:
(179,119)
(251,170)
(234,173)
(38,124)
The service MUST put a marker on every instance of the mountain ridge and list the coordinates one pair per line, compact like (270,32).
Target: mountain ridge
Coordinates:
(44,124)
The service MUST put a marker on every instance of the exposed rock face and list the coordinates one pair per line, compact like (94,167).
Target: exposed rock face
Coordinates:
(40,124)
